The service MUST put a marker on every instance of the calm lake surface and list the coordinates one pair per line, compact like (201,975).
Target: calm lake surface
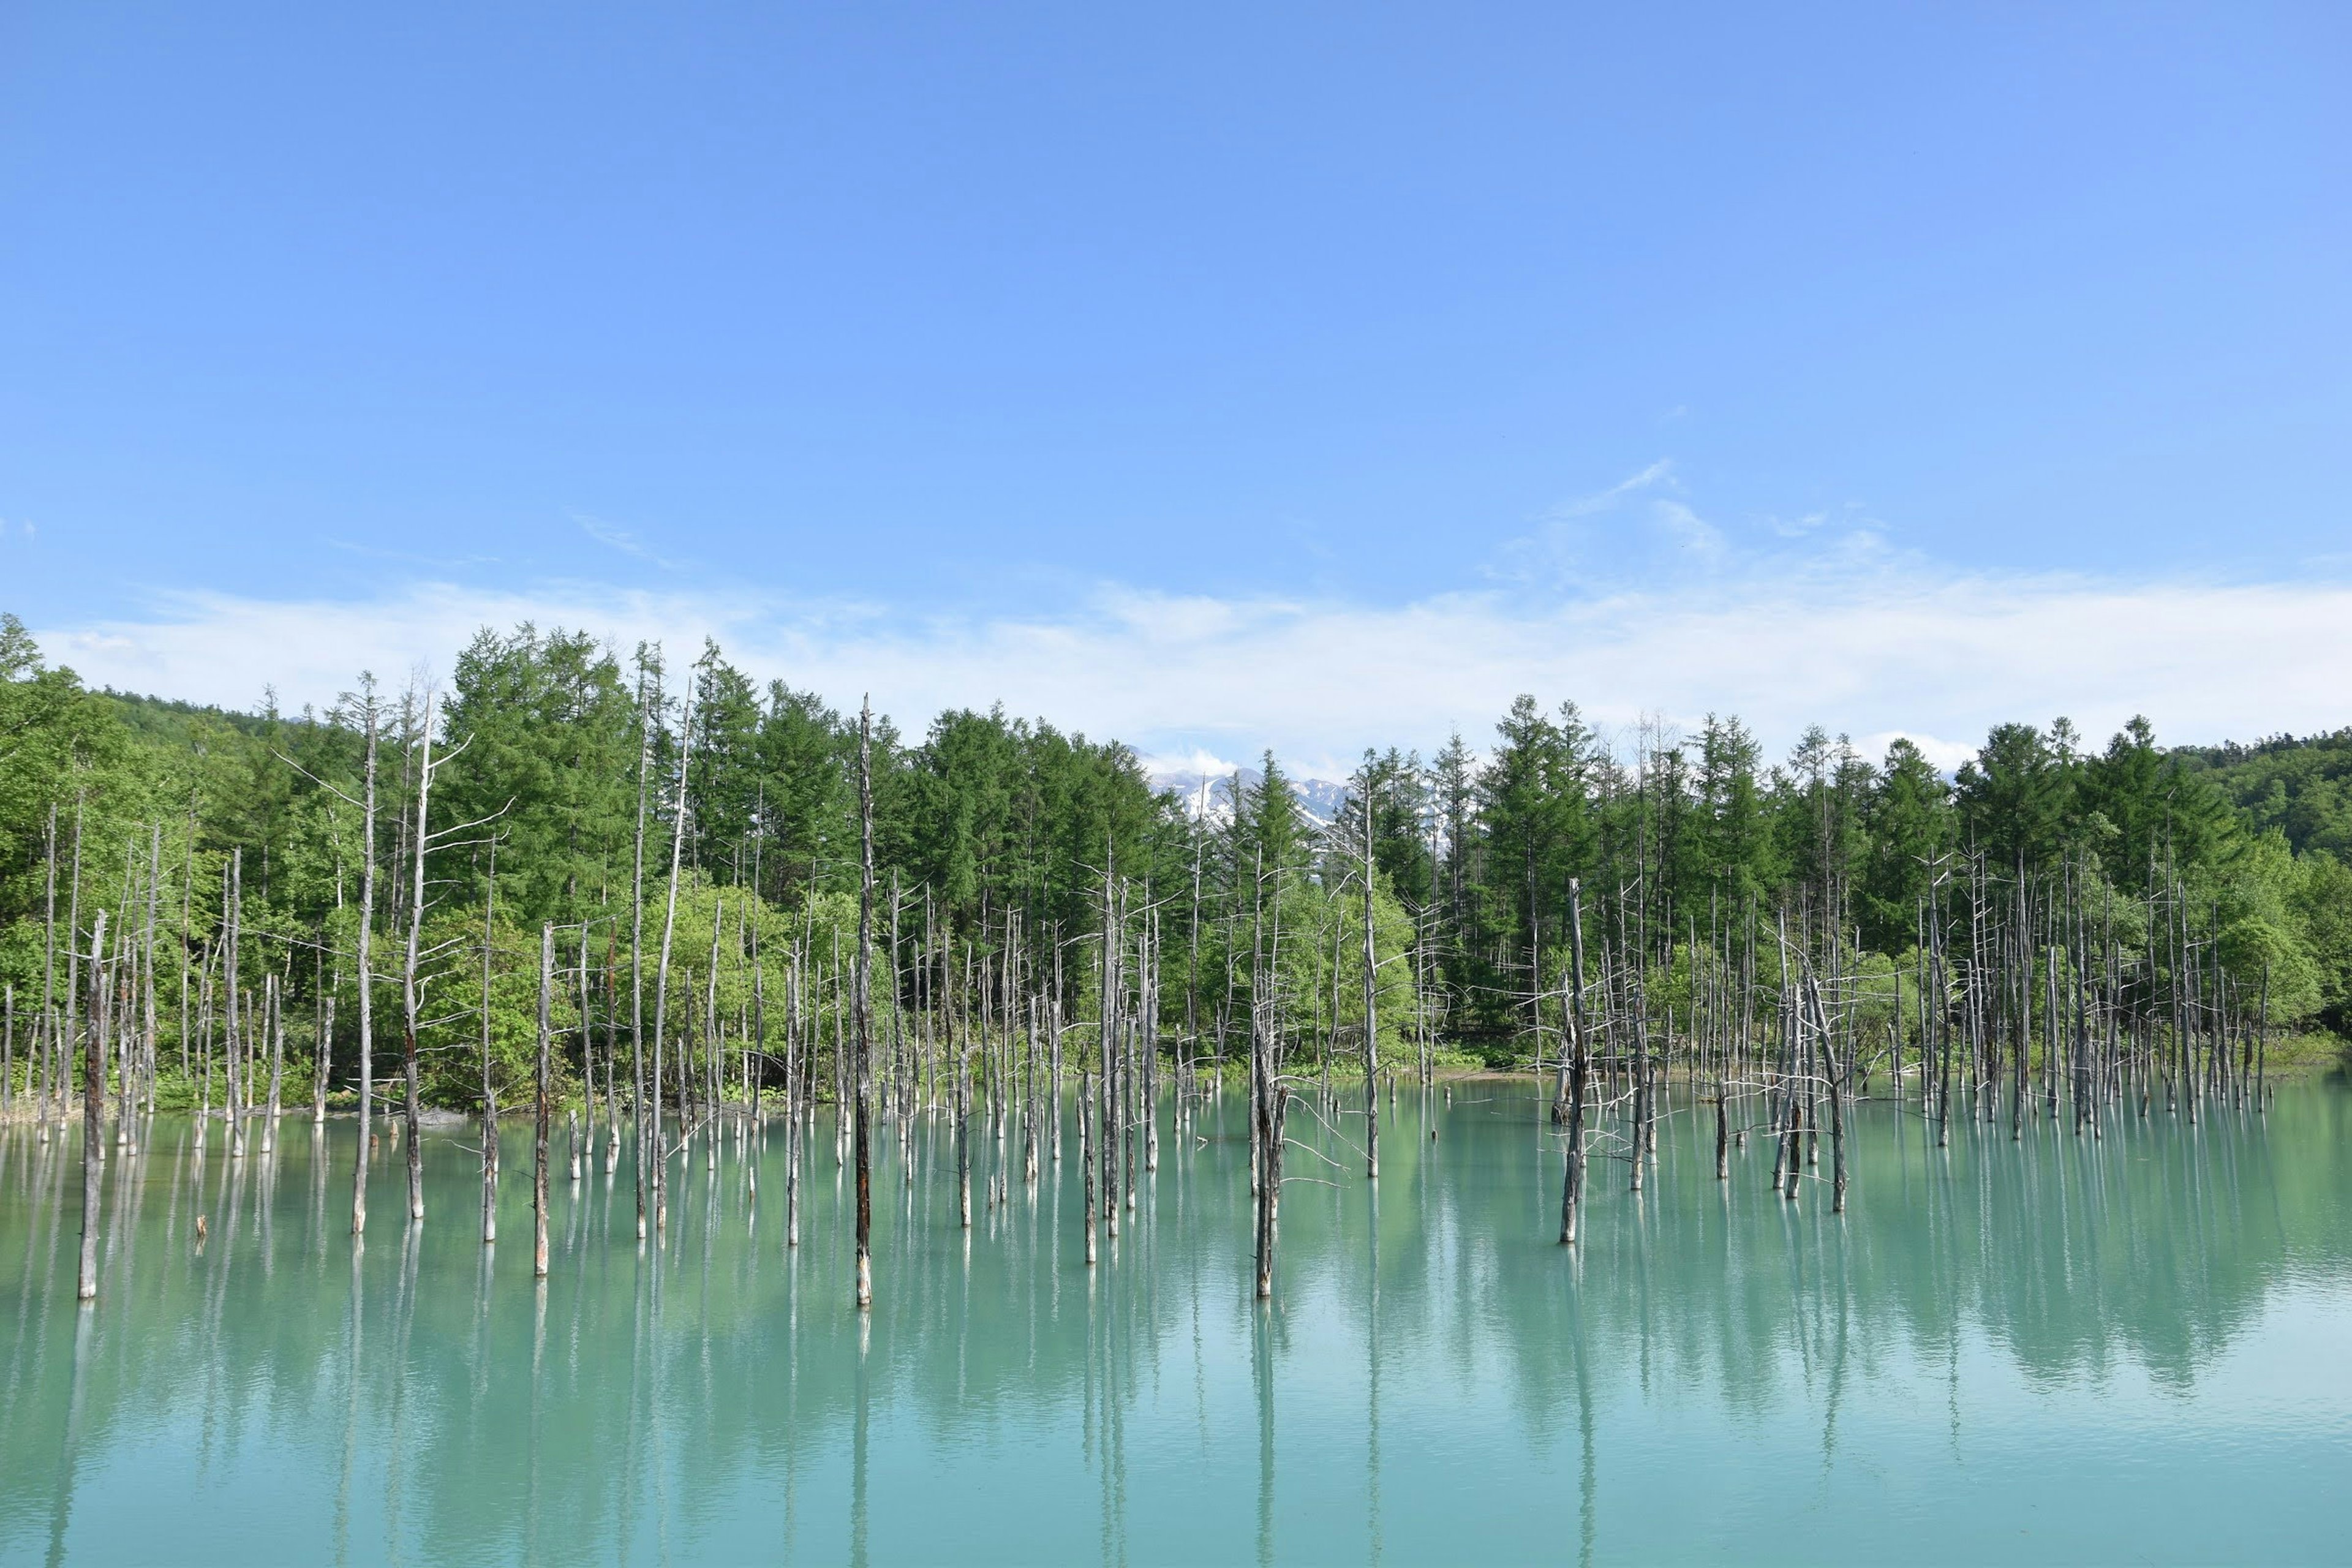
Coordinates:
(2137,1349)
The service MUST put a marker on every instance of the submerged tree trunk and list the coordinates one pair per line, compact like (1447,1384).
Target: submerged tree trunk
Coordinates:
(1371,1014)
(489,1090)
(963,1141)
(321,1053)
(233,918)
(408,987)
(861,1001)
(658,1154)
(538,1117)
(367,1012)
(276,1027)
(93,1114)
(796,1075)
(1580,1058)
(45,1032)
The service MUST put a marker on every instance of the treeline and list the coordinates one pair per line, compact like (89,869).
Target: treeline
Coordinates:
(2301,788)
(566,777)
(1685,833)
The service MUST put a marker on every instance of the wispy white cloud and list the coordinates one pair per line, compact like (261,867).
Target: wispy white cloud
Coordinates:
(1856,640)
(1197,762)
(1687,531)
(615,537)
(1660,472)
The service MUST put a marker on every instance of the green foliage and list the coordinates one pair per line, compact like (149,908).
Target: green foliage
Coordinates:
(2303,788)
(550,732)
(559,753)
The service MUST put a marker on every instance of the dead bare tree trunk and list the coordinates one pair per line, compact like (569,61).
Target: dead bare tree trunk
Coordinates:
(45,1032)
(539,1116)
(796,1085)
(1086,1157)
(93,1114)
(1580,1058)
(861,1001)
(645,707)
(367,924)
(660,1154)
(276,1027)
(408,989)
(154,903)
(234,919)
(963,1128)
(1371,1012)
(489,1089)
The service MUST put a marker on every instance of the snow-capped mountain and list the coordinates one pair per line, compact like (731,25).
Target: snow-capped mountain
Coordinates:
(1210,797)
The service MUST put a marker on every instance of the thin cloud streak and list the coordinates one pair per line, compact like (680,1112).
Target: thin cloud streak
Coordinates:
(1867,647)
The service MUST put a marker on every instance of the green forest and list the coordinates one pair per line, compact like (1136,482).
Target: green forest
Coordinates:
(556,780)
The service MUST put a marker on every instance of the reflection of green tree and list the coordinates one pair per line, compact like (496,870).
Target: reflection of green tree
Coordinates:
(670,1378)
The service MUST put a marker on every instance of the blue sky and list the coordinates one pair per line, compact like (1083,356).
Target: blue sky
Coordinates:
(1212,377)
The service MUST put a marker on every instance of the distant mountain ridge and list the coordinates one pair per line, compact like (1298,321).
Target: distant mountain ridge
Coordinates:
(1209,797)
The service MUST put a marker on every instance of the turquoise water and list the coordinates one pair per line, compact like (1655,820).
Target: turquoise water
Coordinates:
(2137,1349)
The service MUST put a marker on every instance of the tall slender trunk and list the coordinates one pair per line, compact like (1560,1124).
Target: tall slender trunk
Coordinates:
(93,1115)
(45,1035)
(322,1048)
(1580,1055)
(861,1000)
(235,919)
(489,1089)
(795,1086)
(638,941)
(587,1065)
(1086,1156)
(1371,1014)
(539,1115)
(408,986)
(65,1042)
(276,1027)
(154,901)
(660,1153)
(366,979)
(187,937)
